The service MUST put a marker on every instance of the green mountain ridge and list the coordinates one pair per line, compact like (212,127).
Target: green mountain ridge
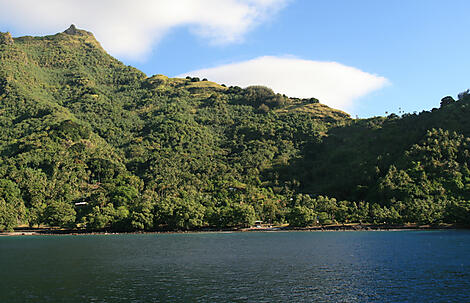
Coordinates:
(88,142)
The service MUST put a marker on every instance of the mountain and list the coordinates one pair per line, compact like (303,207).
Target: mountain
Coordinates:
(88,142)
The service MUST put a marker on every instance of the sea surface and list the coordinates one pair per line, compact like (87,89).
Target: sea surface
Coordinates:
(369,266)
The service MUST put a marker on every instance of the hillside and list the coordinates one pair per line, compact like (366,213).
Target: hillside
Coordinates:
(88,142)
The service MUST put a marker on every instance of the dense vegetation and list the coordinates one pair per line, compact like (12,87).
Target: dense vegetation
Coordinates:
(88,142)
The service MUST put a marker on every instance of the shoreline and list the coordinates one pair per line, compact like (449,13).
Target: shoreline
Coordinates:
(327,228)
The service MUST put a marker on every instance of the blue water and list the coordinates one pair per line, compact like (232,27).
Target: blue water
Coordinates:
(405,266)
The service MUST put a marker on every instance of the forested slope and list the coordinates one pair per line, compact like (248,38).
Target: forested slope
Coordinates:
(88,142)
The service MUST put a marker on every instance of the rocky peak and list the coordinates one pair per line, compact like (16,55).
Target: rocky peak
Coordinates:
(72,30)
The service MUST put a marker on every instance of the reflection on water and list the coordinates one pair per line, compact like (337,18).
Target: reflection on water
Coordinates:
(411,266)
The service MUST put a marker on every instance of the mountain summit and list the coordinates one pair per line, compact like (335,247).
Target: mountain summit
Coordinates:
(72,30)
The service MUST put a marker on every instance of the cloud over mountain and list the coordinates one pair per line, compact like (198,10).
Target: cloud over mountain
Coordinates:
(334,84)
(130,28)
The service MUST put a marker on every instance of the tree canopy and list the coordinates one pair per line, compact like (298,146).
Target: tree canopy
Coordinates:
(88,142)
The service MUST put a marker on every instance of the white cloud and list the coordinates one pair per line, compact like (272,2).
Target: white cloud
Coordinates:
(129,28)
(334,84)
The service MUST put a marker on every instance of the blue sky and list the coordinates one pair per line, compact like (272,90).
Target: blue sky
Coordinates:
(388,54)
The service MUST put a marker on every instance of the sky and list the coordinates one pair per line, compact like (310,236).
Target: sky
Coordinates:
(366,57)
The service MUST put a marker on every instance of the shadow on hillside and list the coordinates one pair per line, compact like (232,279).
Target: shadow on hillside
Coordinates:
(348,162)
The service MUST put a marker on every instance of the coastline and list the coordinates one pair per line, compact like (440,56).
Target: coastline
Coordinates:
(326,228)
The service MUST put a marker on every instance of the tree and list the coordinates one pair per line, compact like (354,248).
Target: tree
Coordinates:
(301,216)
(8,216)
(12,208)
(464,95)
(257,94)
(178,213)
(101,217)
(142,212)
(458,212)
(242,215)
(60,213)
(446,101)
(263,108)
